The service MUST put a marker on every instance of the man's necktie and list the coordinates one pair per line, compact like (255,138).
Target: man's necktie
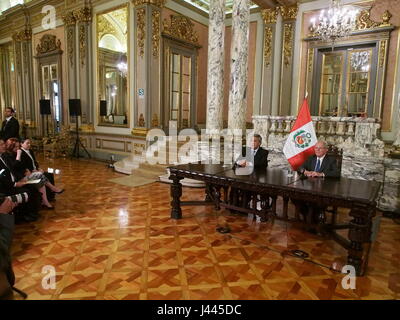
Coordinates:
(318,166)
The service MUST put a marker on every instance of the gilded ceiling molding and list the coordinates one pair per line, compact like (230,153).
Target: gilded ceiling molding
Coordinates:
(157,3)
(364,21)
(181,27)
(83,15)
(287,43)
(270,15)
(267,46)
(48,43)
(141,33)
(105,27)
(82,44)
(69,18)
(156,32)
(289,12)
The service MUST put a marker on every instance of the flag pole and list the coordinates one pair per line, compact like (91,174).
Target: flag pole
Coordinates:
(306,95)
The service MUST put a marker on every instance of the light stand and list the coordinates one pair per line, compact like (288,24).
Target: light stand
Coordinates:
(78,142)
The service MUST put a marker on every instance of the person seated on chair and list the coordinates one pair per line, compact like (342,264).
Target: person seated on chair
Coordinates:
(22,172)
(317,166)
(9,185)
(254,156)
(320,164)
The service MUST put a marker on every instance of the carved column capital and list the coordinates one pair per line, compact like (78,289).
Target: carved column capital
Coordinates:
(157,3)
(270,15)
(289,12)
(83,14)
(69,18)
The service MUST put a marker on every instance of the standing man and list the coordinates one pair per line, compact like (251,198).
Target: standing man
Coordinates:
(10,126)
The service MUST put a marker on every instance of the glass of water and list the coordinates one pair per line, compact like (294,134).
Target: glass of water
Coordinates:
(289,173)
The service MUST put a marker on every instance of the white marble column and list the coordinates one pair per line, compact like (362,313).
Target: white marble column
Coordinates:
(239,62)
(215,71)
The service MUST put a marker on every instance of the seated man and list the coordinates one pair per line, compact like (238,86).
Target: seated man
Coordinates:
(320,164)
(6,232)
(255,156)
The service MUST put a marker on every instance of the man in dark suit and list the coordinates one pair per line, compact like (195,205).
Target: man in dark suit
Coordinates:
(320,164)
(10,126)
(254,156)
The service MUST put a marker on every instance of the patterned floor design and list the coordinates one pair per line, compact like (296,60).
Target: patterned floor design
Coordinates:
(108,241)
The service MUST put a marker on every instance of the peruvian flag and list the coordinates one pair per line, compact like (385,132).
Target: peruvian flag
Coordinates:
(302,138)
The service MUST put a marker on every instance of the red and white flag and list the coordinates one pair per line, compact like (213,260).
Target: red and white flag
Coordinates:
(302,138)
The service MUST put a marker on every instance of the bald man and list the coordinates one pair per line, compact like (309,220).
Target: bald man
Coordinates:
(320,164)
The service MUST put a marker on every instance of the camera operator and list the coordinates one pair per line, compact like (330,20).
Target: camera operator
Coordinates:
(27,210)
(7,278)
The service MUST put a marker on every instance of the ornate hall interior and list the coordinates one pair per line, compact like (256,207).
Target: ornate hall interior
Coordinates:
(91,82)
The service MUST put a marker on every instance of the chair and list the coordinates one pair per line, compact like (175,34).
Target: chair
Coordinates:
(334,151)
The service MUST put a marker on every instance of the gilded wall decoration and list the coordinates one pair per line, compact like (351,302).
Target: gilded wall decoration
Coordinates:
(25,56)
(270,15)
(70,43)
(180,27)
(18,57)
(154,120)
(310,59)
(267,46)
(156,32)
(289,12)
(48,43)
(141,122)
(158,3)
(382,54)
(287,42)
(82,43)
(364,21)
(141,33)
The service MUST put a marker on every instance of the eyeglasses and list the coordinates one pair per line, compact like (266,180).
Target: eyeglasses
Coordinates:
(319,148)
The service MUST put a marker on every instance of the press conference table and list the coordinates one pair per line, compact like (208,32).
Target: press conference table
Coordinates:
(358,195)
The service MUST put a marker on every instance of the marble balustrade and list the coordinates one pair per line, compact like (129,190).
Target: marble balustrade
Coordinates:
(363,151)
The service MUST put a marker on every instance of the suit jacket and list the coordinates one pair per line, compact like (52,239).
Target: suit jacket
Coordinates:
(6,183)
(10,129)
(328,166)
(26,162)
(260,159)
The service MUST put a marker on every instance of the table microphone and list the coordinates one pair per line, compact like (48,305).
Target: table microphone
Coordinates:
(301,174)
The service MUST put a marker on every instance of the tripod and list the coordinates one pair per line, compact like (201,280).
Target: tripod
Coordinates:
(78,142)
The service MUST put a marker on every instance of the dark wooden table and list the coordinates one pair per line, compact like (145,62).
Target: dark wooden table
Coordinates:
(358,195)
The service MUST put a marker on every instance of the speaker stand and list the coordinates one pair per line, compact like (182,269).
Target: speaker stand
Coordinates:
(78,143)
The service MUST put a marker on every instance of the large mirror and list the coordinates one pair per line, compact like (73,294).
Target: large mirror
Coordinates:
(112,70)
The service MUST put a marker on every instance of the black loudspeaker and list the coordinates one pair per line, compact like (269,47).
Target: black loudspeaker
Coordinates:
(44,107)
(75,107)
(103,108)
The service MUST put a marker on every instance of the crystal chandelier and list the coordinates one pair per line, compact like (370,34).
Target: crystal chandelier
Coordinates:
(334,23)
(359,60)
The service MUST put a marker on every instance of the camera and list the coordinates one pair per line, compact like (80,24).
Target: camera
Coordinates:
(16,198)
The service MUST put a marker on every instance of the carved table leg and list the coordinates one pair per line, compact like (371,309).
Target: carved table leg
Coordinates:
(359,235)
(176,193)
(208,193)
(217,196)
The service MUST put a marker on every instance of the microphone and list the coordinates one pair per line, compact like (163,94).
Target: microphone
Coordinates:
(301,174)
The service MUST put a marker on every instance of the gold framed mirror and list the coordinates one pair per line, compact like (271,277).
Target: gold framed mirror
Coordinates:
(113,67)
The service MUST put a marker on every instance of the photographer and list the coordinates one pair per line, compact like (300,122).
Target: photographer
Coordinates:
(7,278)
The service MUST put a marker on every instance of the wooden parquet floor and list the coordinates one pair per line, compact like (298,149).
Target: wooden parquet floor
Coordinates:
(108,241)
